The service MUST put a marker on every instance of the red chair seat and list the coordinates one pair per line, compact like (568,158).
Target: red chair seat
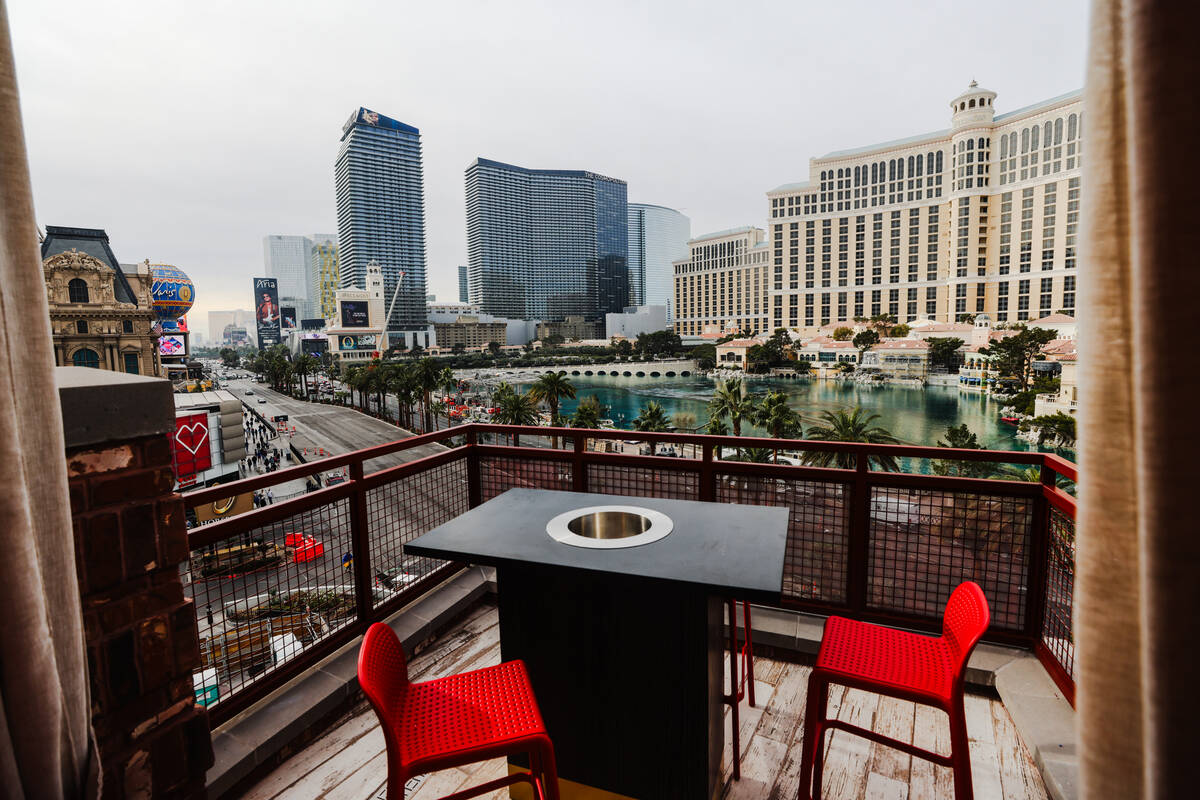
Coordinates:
(859,653)
(469,713)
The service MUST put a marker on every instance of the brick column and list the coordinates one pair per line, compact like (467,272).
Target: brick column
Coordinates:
(130,540)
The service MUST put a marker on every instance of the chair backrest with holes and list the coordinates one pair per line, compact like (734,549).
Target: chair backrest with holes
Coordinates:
(966,619)
(382,672)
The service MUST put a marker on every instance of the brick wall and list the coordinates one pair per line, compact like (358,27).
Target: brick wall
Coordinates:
(142,643)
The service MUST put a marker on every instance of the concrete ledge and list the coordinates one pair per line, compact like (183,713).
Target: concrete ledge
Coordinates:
(1045,721)
(264,734)
(99,405)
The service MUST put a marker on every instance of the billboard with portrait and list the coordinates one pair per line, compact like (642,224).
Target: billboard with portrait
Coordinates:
(355,314)
(288,318)
(172,344)
(266,311)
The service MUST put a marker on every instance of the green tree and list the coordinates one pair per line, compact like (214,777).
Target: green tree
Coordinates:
(943,352)
(731,401)
(400,381)
(458,349)
(843,334)
(857,425)
(776,417)
(705,355)
(514,408)
(494,348)
(1057,425)
(428,377)
(758,359)
(652,419)
(550,388)
(882,324)
(755,455)
(683,421)
(1013,356)
(589,412)
(802,367)
(229,357)
(899,331)
(865,340)
(960,437)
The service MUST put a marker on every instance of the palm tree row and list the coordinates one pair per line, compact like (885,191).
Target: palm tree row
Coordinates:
(731,401)
(412,384)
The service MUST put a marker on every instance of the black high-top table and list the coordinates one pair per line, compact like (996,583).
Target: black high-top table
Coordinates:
(624,646)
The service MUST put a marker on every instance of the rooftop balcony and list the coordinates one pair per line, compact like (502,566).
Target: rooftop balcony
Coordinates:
(278,595)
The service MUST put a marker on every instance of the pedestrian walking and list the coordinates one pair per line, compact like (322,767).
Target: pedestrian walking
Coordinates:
(270,496)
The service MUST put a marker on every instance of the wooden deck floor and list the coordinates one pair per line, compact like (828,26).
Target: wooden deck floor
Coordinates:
(348,762)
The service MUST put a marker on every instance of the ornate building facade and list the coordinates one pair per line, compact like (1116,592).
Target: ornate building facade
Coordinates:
(93,323)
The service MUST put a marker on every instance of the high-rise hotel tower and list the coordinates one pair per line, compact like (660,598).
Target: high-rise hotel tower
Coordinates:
(381,214)
(982,217)
(546,243)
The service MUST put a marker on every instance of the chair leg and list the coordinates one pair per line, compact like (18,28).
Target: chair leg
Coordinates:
(819,755)
(749,647)
(960,751)
(549,770)
(812,736)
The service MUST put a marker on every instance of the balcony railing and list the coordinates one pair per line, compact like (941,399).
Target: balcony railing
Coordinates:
(866,543)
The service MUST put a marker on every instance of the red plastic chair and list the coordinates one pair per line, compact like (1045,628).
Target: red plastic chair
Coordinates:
(452,721)
(924,669)
(739,687)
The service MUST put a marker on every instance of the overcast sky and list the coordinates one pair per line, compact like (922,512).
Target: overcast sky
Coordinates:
(189,130)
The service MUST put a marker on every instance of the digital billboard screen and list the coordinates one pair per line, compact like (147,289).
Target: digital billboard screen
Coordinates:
(312,324)
(288,321)
(172,344)
(355,314)
(266,311)
(362,341)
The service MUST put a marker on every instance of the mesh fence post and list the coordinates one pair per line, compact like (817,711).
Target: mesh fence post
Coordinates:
(1035,609)
(578,470)
(859,544)
(360,544)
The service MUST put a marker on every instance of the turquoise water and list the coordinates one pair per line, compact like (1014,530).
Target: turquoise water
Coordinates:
(917,416)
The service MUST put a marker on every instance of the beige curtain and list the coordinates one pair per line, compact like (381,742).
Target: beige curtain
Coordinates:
(44,719)
(1138,561)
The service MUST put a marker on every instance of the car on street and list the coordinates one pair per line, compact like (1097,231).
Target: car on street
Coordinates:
(408,571)
(262,400)
(249,391)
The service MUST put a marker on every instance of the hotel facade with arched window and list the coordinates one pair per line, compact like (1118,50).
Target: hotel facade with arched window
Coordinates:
(981,217)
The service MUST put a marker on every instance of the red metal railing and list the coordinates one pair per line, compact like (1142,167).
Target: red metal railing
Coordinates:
(886,546)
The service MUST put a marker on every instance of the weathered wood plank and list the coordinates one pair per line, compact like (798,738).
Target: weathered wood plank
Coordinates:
(1018,775)
(931,731)
(880,787)
(895,720)
(847,756)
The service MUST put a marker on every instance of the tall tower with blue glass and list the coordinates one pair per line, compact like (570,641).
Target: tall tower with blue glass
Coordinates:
(381,215)
(545,244)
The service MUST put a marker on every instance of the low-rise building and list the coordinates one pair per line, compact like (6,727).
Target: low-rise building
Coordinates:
(636,320)
(99,315)
(1063,325)
(822,351)
(469,332)
(899,359)
(570,328)
(734,354)
(1066,400)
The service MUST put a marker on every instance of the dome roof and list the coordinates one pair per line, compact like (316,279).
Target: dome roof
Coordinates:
(973,90)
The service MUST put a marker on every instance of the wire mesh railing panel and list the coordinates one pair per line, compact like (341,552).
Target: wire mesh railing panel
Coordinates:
(642,482)
(265,596)
(1057,633)
(498,474)
(814,566)
(400,511)
(925,542)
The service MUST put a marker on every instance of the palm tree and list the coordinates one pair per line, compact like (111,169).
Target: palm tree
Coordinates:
(850,426)
(755,455)
(304,366)
(733,401)
(400,382)
(427,374)
(589,412)
(514,408)
(549,389)
(447,384)
(775,416)
(652,419)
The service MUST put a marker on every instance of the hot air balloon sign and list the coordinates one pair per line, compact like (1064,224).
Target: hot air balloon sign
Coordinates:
(172,295)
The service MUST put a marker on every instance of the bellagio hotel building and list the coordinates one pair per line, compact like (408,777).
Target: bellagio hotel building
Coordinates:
(982,217)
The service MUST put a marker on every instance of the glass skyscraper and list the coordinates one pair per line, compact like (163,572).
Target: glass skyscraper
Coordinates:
(381,213)
(544,244)
(286,260)
(462,283)
(658,236)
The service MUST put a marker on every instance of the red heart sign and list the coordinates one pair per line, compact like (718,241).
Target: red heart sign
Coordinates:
(190,445)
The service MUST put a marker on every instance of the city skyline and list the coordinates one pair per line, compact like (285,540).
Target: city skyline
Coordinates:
(257,162)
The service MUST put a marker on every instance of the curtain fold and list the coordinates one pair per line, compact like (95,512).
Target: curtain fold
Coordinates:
(44,714)
(1138,542)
